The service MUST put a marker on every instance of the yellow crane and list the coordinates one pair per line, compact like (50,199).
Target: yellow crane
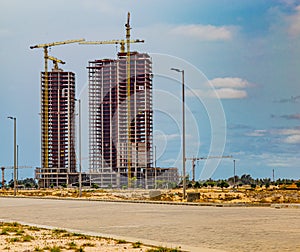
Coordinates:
(45,95)
(122,42)
(203,158)
(56,61)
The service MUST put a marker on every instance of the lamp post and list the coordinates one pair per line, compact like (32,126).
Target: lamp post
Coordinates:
(15,153)
(79,143)
(233,173)
(183,130)
(155,172)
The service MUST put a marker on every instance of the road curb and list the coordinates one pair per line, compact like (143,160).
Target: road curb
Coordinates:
(279,206)
(155,202)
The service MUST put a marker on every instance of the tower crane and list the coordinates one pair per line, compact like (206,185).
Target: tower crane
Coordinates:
(203,158)
(122,42)
(45,111)
(56,61)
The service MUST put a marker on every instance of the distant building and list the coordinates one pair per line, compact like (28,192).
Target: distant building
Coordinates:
(57,129)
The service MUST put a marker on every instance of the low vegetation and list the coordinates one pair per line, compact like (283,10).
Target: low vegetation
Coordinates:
(17,237)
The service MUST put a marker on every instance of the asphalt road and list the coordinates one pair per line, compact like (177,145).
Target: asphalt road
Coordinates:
(191,227)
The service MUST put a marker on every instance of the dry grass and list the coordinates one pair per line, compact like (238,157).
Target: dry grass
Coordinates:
(210,195)
(17,237)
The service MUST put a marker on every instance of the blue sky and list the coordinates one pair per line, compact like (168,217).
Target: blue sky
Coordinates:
(247,57)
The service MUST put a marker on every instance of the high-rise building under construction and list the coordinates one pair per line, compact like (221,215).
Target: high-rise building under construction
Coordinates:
(57,129)
(120,125)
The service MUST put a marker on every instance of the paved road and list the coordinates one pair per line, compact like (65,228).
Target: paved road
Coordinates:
(225,229)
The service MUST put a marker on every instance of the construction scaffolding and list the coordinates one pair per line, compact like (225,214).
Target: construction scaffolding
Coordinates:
(58,129)
(115,145)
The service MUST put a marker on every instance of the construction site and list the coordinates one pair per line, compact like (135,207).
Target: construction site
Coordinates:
(120,121)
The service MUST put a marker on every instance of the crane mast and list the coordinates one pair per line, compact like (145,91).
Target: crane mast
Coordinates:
(203,158)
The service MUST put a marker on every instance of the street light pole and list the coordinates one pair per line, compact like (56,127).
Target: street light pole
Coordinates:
(15,153)
(233,172)
(79,137)
(155,172)
(183,131)
(17,166)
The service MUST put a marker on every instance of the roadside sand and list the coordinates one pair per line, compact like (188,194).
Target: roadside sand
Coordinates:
(17,237)
(247,195)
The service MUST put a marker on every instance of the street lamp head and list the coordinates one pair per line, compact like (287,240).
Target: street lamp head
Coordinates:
(176,69)
(10,117)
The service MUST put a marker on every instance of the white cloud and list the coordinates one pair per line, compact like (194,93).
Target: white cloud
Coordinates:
(170,161)
(204,32)
(230,93)
(223,88)
(222,93)
(166,137)
(292,135)
(275,159)
(294,22)
(278,164)
(289,132)
(257,133)
(292,139)
(229,82)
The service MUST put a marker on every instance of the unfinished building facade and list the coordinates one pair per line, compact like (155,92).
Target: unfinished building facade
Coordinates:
(57,129)
(120,125)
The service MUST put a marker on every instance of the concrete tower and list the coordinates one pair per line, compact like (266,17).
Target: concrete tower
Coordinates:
(120,130)
(58,142)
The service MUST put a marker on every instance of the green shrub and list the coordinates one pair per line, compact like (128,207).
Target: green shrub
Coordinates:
(20,232)
(27,238)
(121,241)
(55,249)
(72,245)
(79,249)
(34,229)
(136,244)
(162,249)
(14,239)
(58,231)
(88,244)
(197,184)
(95,186)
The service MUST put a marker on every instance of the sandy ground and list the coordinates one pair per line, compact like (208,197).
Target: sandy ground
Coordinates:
(247,195)
(17,237)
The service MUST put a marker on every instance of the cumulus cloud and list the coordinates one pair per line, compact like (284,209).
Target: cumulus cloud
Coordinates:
(230,93)
(222,93)
(257,133)
(293,139)
(229,82)
(223,88)
(294,22)
(204,32)
(295,131)
(292,136)
(168,137)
